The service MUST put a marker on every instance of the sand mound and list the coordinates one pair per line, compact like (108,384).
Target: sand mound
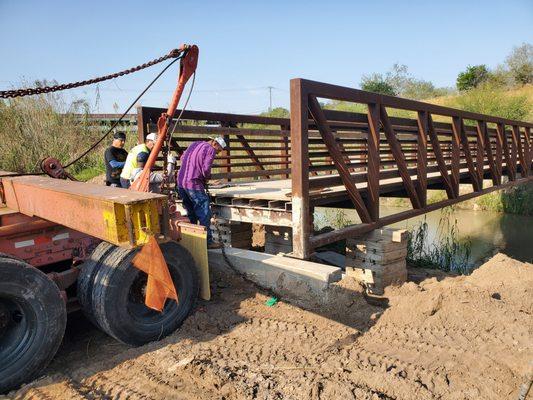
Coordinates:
(460,338)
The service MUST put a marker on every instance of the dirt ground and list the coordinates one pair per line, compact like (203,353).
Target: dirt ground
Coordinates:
(457,338)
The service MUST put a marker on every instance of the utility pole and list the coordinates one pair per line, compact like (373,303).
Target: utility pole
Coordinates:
(270,94)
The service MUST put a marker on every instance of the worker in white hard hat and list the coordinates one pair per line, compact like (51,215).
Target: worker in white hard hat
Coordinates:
(195,171)
(156,178)
(131,160)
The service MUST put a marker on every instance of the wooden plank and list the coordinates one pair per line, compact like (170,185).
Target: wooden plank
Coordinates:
(399,158)
(440,159)
(458,128)
(336,155)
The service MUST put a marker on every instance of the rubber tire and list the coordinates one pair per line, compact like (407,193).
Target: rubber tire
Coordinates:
(111,292)
(46,317)
(85,282)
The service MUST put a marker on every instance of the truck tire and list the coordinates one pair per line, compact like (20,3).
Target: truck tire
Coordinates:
(88,271)
(32,322)
(118,296)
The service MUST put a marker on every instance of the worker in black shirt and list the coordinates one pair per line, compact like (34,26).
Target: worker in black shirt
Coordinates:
(115,157)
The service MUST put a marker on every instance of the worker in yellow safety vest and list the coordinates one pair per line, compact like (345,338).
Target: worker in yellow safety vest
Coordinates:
(131,160)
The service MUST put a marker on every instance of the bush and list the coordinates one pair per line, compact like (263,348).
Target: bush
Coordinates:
(493,101)
(472,77)
(375,83)
(35,127)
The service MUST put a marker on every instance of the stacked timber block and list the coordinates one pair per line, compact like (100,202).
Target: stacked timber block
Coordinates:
(378,259)
(278,239)
(233,233)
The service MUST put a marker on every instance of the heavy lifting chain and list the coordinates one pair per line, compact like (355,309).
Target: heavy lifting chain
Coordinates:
(6,94)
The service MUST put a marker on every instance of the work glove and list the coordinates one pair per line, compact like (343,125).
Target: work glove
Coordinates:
(171,159)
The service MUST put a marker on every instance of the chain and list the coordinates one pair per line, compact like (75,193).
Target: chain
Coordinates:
(5,94)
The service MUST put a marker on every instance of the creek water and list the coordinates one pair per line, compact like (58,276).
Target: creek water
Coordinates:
(488,232)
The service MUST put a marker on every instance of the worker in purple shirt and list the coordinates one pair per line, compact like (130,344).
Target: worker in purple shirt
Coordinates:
(195,171)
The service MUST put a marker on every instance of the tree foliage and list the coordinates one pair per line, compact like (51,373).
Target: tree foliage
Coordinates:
(399,82)
(472,77)
(375,83)
(520,63)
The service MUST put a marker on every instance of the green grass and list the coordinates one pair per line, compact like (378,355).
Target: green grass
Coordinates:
(446,252)
(517,200)
(89,173)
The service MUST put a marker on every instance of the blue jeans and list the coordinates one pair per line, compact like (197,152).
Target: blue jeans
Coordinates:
(196,202)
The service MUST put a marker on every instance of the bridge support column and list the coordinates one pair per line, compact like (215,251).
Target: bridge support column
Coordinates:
(378,259)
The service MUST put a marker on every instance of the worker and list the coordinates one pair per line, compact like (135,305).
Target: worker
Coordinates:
(115,157)
(193,175)
(156,178)
(131,161)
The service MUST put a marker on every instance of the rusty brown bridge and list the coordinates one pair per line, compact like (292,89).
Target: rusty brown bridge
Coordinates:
(279,170)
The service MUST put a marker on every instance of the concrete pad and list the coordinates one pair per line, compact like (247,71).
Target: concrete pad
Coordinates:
(283,275)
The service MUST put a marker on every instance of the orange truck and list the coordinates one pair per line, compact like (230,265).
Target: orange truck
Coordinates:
(67,245)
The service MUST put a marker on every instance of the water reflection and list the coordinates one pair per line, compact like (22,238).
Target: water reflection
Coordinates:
(489,232)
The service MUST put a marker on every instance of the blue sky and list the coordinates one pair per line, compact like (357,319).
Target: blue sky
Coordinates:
(246,46)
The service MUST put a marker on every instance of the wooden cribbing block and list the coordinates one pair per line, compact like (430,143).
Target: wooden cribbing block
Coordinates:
(378,259)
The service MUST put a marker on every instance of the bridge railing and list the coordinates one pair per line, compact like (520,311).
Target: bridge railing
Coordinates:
(437,147)
(258,147)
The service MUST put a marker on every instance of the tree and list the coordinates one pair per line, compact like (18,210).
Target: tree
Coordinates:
(278,112)
(472,77)
(377,84)
(520,63)
(398,82)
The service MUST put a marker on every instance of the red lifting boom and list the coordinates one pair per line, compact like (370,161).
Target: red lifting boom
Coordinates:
(187,67)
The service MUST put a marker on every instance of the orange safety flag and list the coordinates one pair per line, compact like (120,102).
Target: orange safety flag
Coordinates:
(159,286)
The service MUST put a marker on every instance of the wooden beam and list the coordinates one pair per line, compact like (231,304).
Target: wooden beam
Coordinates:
(336,155)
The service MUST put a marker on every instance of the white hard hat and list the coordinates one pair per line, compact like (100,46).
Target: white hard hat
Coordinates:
(151,136)
(220,140)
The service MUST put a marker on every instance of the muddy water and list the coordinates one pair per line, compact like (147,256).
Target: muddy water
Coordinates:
(488,232)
